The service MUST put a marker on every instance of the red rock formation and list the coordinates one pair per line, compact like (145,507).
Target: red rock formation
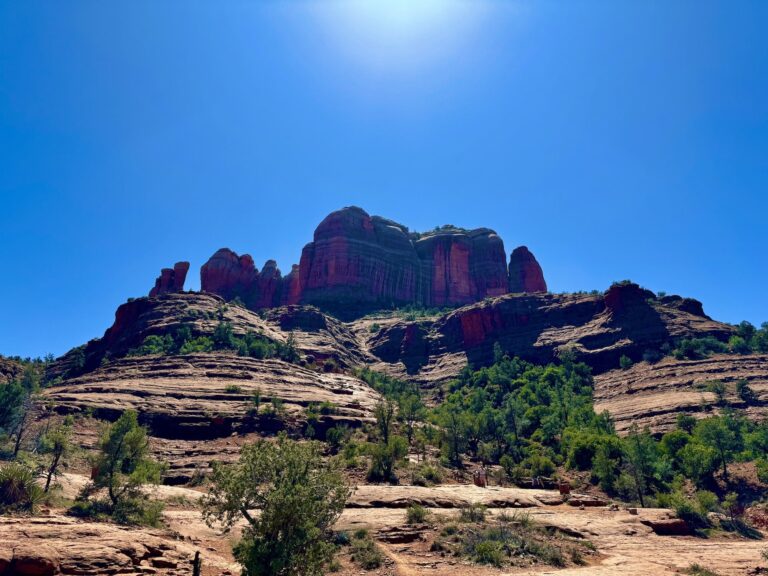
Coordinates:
(291,287)
(600,329)
(525,274)
(229,275)
(171,279)
(357,262)
(269,286)
(462,266)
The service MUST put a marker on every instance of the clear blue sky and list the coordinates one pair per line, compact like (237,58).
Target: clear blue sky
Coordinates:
(616,139)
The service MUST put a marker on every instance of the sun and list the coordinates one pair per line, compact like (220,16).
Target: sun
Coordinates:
(400,35)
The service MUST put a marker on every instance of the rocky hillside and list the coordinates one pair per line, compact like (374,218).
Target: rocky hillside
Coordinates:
(181,393)
(9,369)
(653,394)
(599,329)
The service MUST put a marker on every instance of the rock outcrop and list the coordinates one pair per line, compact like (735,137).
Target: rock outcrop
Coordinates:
(171,279)
(654,394)
(525,274)
(357,263)
(626,320)
(62,545)
(229,275)
(9,370)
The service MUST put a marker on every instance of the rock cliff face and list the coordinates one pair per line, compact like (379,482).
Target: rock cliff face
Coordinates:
(357,263)
(626,320)
(525,274)
(171,279)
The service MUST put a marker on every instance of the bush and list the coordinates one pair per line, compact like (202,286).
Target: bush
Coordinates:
(625,362)
(490,552)
(761,467)
(19,492)
(691,509)
(416,514)
(300,495)
(652,356)
(233,389)
(472,513)
(745,392)
(365,553)
(697,348)
(330,365)
(431,474)
(123,466)
(739,345)
(384,458)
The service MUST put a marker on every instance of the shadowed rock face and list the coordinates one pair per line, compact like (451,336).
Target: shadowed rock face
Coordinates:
(171,279)
(525,274)
(357,263)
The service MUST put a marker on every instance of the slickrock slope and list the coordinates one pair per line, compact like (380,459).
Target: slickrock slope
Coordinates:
(653,394)
(186,396)
(48,545)
(537,327)
(315,334)
(187,399)
(357,263)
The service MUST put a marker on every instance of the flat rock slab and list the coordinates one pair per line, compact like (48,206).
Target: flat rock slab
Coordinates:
(446,496)
(60,545)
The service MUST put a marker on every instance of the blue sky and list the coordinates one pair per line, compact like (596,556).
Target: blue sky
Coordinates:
(615,139)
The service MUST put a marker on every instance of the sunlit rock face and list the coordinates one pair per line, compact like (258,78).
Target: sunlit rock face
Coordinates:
(357,262)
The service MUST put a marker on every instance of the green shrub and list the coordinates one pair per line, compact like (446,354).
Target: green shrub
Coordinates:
(233,389)
(472,513)
(365,553)
(625,362)
(431,474)
(416,514)
(384,458)
(301,495)
(490,552)
(761,467)
(699,570)
(697,348)
(739,345)
(123,466)
(745,392)
(19,492)
(330,365)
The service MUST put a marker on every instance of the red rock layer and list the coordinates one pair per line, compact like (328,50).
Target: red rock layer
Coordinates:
(171,279)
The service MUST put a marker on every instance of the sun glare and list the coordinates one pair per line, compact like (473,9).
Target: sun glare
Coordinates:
(400,35)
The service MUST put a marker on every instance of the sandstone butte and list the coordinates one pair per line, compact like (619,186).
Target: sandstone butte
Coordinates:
(357,263)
